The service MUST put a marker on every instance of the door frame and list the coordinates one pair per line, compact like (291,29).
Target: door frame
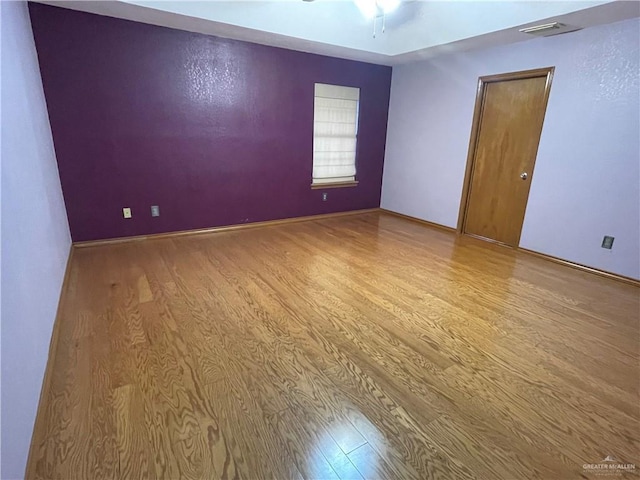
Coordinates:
(475,129)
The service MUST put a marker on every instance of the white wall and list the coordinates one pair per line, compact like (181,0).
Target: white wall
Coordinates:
(35,236)
(587,176)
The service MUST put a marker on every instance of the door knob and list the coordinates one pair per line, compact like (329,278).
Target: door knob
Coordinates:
(523,175)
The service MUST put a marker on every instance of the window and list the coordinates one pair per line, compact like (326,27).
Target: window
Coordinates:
(335,130)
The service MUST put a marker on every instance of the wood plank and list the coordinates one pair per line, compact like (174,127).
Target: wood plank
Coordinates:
(352,347)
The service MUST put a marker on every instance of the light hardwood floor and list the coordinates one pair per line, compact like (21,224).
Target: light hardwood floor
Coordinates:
(364,346)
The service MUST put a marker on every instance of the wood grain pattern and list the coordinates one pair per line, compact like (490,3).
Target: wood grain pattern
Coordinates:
(506,132)
(68,290)
(418,220)
(596,271)
(358,347)
(225,228)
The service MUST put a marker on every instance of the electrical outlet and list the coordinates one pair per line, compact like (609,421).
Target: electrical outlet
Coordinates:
(607,242)
(126,212)
(324,196)
(155,211)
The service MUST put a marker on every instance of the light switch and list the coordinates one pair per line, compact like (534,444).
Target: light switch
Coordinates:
(126,212)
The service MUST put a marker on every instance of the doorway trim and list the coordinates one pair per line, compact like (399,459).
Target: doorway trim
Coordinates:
(475,127)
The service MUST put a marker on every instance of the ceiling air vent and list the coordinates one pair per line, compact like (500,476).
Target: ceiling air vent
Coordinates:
(548,29)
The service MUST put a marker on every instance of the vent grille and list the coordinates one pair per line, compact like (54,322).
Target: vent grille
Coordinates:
(549,29)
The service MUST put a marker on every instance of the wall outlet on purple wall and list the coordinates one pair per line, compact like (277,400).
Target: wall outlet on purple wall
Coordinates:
(92,85)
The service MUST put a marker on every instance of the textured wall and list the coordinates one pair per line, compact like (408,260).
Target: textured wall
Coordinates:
(587,176)
(214,131)
(35,236)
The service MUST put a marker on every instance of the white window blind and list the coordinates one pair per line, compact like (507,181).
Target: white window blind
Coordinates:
(335,127)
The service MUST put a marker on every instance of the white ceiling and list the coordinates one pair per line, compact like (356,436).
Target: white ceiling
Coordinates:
(416,30)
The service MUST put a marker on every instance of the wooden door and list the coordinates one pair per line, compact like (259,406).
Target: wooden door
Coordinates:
(507,128)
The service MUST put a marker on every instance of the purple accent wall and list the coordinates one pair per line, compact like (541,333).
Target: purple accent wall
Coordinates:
(214,131)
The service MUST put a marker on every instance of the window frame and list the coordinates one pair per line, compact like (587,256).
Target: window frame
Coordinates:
(352,181)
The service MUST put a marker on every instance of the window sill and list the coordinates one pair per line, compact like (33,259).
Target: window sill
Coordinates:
(318,186)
